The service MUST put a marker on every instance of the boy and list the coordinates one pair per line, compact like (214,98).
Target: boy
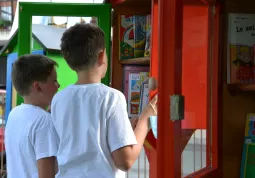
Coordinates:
(30,138)
(96,137)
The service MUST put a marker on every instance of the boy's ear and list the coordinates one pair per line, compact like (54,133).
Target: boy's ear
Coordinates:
(36,86)
(101,57)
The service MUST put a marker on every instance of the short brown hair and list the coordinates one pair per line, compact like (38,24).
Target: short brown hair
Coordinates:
(29,68)
(81,44)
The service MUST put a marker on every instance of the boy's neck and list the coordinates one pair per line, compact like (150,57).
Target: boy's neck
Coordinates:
(88,77)
(31,101)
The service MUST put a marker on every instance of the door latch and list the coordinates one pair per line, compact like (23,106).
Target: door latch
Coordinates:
(176,107)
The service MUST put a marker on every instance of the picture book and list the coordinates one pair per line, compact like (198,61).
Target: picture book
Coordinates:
(139,23)
(132,83)
(241,60)
(147,51)
(144,76)
(144,100)
(134,94)
(248,155)
(241,41)
(126,37)
(144,90)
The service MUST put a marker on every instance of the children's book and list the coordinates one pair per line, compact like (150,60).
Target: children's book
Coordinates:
(144,100)
(241,41)
(248,155)
(134,94)
(147,51)
(144,90)
(134,76)
(139,35)
(126,37)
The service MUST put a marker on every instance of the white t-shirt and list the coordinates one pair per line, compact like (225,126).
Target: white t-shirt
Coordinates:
(92,122)
(29,136)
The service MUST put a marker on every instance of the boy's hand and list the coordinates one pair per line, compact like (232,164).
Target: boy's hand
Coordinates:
(133,122)
(151,108)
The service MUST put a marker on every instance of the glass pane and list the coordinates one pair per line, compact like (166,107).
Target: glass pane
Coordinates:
(6,15)
(63,22)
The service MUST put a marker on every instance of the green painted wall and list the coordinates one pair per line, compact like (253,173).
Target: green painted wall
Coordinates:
(66,76)
(15,49)
(36,45)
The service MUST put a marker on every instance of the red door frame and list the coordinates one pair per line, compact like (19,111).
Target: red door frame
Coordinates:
(152,153)
(170,69)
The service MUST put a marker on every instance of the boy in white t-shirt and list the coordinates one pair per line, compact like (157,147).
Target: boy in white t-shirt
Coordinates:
(30,138)
(96,137)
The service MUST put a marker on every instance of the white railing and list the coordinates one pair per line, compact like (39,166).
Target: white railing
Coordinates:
(194,154)
(141,167)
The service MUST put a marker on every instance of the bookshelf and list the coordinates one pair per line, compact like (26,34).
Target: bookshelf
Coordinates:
(136,61)
(120,65)
(129,7)
(236,87)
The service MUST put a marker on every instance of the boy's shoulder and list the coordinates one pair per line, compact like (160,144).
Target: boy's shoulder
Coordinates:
(26,109)
(116,94)
(34,116)
(100,89)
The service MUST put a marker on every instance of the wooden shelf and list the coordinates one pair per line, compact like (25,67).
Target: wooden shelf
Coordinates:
(136,61)
(241,87)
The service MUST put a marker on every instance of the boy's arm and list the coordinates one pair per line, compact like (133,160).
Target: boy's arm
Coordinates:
(125,154)
(45,145)
(46,167)
(125,157)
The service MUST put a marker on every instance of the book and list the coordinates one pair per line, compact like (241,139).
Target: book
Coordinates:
(133,78)
(126,37)
(144,90)
(248,154)
(134,94)
(241,41)
(147,50)
(139,23)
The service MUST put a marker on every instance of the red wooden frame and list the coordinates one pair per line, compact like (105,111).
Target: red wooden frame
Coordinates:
(154,59)
(169,83)
(152,153)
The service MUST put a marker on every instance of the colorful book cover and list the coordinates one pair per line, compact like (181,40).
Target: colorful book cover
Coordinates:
(144,90)
(134,94)
(144,76)
(139,35)
(241,64)
(248,155)
(126,37)
(241,41)
(144,93)
(147,51)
